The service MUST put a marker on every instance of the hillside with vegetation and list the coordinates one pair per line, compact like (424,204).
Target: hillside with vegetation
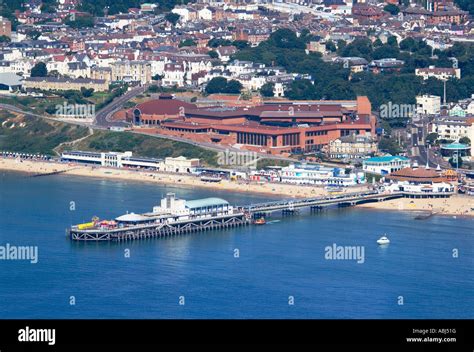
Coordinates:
(147,146)
(34,135)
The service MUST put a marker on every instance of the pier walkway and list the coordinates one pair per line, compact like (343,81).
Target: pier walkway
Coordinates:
(341,200)
(240,217)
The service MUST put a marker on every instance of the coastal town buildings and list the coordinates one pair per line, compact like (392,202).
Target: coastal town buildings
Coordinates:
(428,104)
(274,127)
(5,27)
(419,182)
(320,175)
(440,73)
(384,165)
(452,127)
(53,83)
(127,160)
(353,147)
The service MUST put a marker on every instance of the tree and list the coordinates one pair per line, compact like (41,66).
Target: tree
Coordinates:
(302,89)
(87,92)
(213,54)
(4,39)
(156,77)
(287,39)
(341,44)
(339,90)
(267,90)
(385,51)
(392,41)
(51,109)
(172,18)
(465,140)
(216,85)
(392,9)
(217,42)
(455,161)
(408,44)
(431,137)
(389,145)
(330,46)
(233,87)
(80,21)
(34,34)
(377,43)
(187,42)
(240,44)
(466,5)
(39,70)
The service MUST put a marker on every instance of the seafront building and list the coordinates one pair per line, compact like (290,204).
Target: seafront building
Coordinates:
(383,165)
(320,175)
(420,181)
(353,147)
(127,160)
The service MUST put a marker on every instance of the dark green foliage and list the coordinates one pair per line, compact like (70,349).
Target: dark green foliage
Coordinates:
(221,85)
(213,54)
(431,137)
(38,136)
(389,145)
(330,46)
(187,42)
(96,7)
(467,5)
(267,90)
(172,18)
(80,21)
(39,70)
(331,80)
(392,9)
(455,161)
(145,146)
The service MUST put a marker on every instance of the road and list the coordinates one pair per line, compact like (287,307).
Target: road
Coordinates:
(419,150)
(102,118)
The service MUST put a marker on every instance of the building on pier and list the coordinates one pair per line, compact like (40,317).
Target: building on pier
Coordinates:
(173,216)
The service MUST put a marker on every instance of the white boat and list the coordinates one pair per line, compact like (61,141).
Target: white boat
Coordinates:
(383,240)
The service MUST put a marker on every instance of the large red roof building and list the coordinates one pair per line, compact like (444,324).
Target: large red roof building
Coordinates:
(275,127)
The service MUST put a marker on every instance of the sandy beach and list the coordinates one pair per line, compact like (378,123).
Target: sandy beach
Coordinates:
(456,205)
(177,180)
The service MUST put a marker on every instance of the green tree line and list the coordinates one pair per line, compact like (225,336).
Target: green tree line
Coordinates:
(333,81)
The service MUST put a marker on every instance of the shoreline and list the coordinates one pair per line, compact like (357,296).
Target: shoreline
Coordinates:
(166,179)
(456,205)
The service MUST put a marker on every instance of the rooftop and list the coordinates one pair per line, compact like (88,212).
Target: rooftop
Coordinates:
(205,202)
(386,159)
(455,146)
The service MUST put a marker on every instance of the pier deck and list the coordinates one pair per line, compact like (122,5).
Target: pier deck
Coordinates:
(160,230)
(241,217)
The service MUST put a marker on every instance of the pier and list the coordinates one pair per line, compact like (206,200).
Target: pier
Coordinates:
(227,217)
(160,230)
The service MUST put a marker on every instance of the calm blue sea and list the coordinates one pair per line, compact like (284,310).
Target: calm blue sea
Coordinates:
(284,258)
